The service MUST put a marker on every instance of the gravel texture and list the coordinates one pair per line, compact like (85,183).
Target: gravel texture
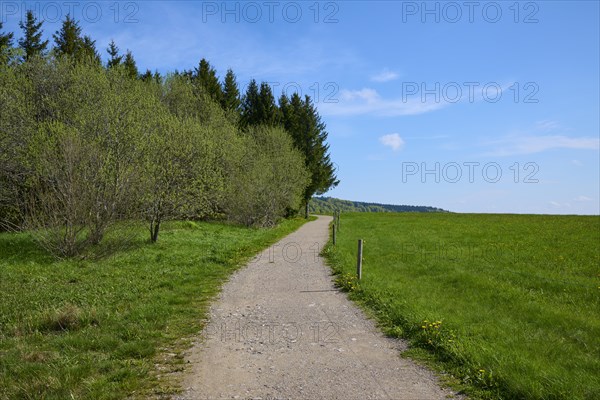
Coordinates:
(280,330)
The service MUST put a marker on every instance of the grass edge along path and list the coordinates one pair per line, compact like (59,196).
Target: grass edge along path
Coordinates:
(543,285)
(117,327)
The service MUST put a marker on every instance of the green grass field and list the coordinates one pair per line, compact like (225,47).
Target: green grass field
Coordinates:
(114,328)
(508,304)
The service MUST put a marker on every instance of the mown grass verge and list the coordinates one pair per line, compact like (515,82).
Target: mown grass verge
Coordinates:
(113,328)
(507,304)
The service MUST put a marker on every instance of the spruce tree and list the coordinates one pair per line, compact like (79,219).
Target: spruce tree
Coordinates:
(130,65)
(259,107)
(231,93)
(6,44)
(289,114)
(302,121)
(68,40)
(5,38)
(207,81)
(268,113)
(87,51)
(321,167)
(157,77)
(113,52)
(249,106)
(146,76)
(32,43)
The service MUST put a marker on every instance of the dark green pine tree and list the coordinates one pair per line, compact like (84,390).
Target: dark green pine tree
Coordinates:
(289,115)
(31,42)
(87,51)
(206,80)
(268,112)
(231,93)
(302,121)
(68,40)
(146,76)
(292,111)
(6,44)
(249,105)
(113,52)
(259,107)
(188,74)
(130,65)
(5,38)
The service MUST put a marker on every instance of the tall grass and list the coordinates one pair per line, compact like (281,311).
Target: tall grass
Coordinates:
(509,304)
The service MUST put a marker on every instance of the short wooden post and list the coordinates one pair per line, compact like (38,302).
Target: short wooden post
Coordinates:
(338,219)
(359,259)
(334,234)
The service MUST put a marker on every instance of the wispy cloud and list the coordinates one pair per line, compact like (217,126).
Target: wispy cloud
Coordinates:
(369,101)
(385,76)
(249,51)
(541,136)
(582,198)
(547,125)
(521,145)
(393,140)
(368,95)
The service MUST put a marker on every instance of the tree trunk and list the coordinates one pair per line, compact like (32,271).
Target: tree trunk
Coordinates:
(154,231)
(306,210)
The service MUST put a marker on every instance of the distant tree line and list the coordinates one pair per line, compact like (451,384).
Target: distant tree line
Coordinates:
(86,146)
(327,205)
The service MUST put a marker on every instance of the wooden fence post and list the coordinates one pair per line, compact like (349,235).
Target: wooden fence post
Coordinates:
(334,234)
(359,259)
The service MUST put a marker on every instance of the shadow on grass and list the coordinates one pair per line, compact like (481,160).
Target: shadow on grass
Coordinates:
(22,247)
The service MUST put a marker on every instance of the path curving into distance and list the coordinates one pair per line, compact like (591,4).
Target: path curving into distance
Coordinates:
(280,330)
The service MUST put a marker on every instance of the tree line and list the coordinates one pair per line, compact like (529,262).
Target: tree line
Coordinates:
(87,146)
(329,205)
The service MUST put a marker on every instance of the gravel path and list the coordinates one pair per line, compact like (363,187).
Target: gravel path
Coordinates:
(280,330)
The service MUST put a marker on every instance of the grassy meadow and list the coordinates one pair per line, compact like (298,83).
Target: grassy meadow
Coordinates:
(113,328)
(508,304)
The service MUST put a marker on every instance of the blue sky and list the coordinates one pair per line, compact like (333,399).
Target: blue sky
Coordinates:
(469,106)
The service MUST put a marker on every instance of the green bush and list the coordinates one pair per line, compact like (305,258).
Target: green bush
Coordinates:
(269,178)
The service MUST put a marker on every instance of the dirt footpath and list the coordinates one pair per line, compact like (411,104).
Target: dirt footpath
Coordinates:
(280,330)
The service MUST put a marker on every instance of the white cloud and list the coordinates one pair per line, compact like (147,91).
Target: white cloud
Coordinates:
(368,101)
(392,140)
(547,125)
(577,163)
(519,145)
(385,76)
(556,204)
(582,198)
(368,95)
